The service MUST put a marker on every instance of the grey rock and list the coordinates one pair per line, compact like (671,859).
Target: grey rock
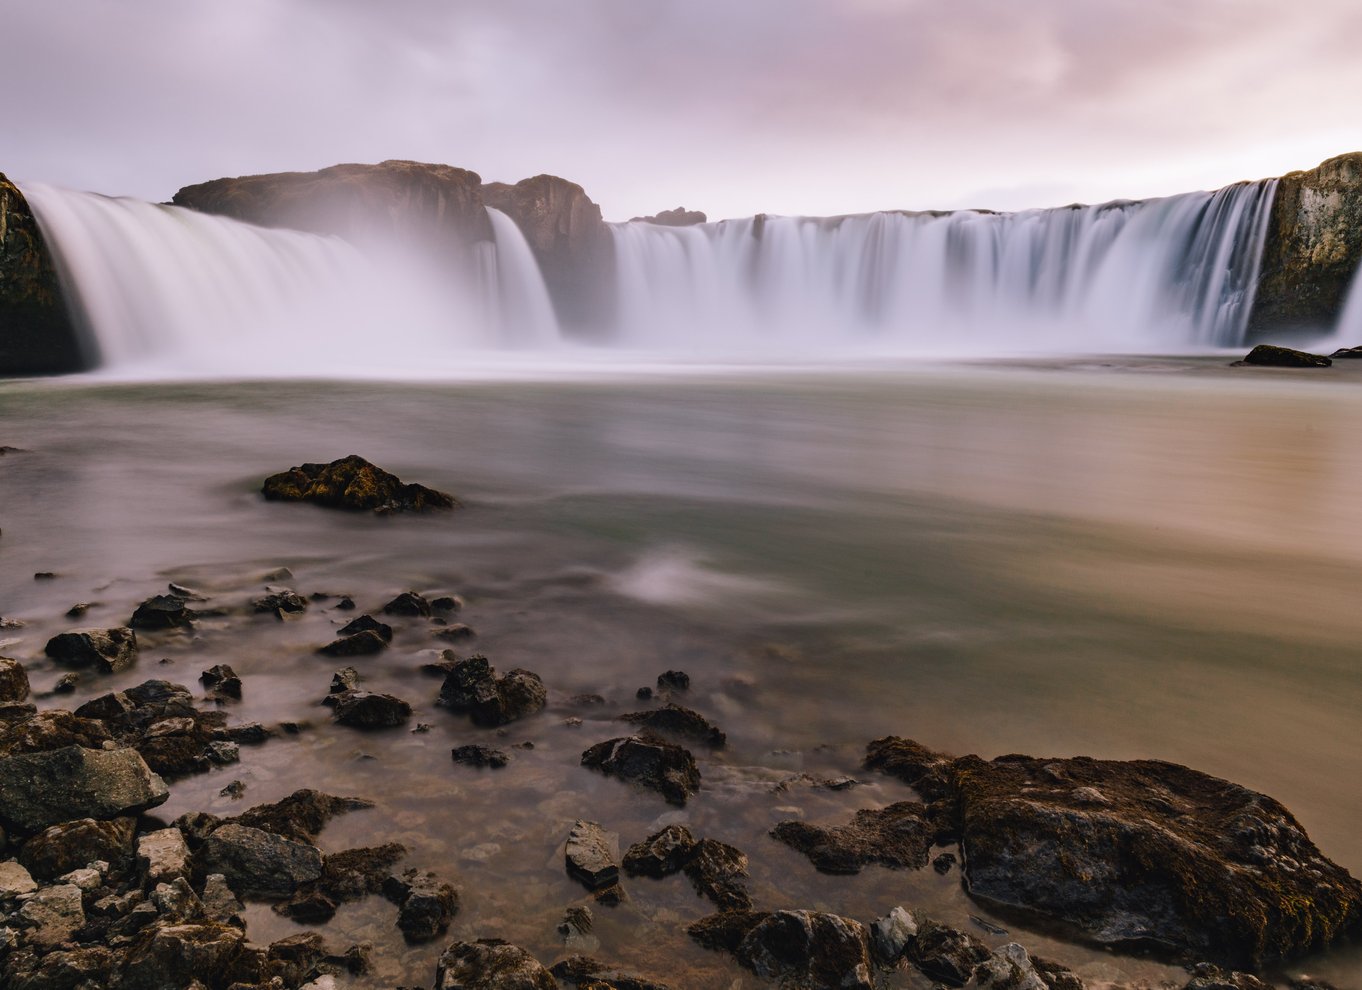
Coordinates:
(86,879)
(163,856)
(220,903)
(891,935)
(53,914)
(42,789)
(345,679)
(490,964)
(590,855)
(258,863)
(1009,968)
(107,650)
(176,901)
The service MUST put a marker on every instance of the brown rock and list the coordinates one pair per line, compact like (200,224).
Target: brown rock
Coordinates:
(353,483)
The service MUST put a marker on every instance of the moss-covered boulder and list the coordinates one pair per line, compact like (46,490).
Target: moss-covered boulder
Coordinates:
(1314,243)
(37,335)
(353,483)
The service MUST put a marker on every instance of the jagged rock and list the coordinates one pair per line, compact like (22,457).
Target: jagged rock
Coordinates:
(220,902)
(16,711)
(590,855)
(361,644)
(163,612)
(674,720)
(891,935)
(66,683)
(59,849)
(14,881)
(931,774)
(473,687)
(662,767)
(575,930)
(53,914)
(425,904)
(490,964)
(42,789)
(408,603)
(176,900)
(353,483)
(363,710)
(37,334)
(1057,977)
(1206,976)
(173,954)
(367,623)
(300,816)
(258,863)
(1347,353)
(589,974)
(343,681)
(351,874)
(282,604)
(946,954)
(679,217)
(480,756)
(80,967)
(718,871)
(899,836)
(804,950)
(1010,968)
(163,856)
(222,679)
(1284,357)
(661,854)
(13,680)
(39,732)
(106,650)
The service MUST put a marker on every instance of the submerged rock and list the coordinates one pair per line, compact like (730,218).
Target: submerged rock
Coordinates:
(659,766)
(426,905)
(301,815)
(718,871)
(353,483)
(661,854)
(674,720)
(281,604)
(363,710)
(590,855)
(590,974)
(480,756)
(472,686)
(42,789)
(107,650)
(364,643)
(804,950)
(163,612)
(901,836)
(258,863)
(367,623)
(1284,357)
(490,964)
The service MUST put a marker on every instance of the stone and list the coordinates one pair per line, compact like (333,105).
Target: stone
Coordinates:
(1058,977)
(900,836)
(454,631)
(1271,355)
(661,854)
(1206,976)
(352,874)
(480,756)
(679,217)
(718,871)
(59,849)
(42,789)
(37,334)
(53,914)
(662,767)
(891,935)
(490,964)
(363,710)
(163,612)
(425,905)
(361,644)
(803,950)
(353,483)
(13,680)
(590,974)
(674,680)
(66,683)
(446,604)
(176,900)
(173,954)
(408,603)
(258,863)
(282,604)
(344,680)
(590,855)
(931,774)
(472,687)
(946,954)
(367,623)
(1009,968)
(106,650)
(674,720)
(80,967)
(38,732)
(1347,353)
(220,902)
(222,679)
(300,816)
(163,856)
(14,881)
(943,863)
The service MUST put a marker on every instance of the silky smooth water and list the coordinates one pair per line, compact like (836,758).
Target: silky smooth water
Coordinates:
(1155,559)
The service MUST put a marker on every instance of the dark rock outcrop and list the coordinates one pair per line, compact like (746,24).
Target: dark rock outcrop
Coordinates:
(59,849)
(365,710)
(490,964)
(679,217)
(946,954)
(682,723)
(651,763)
(353,483)
(425,904)
(900,836)
(163,612)
(1272,356)
(591,974)
(473,687)
(37,333)
(106,650)
(300,816)
(718,871)
(661,854)
(804,950)
(42,789)
(258,863)
(476,755)
(1314,242)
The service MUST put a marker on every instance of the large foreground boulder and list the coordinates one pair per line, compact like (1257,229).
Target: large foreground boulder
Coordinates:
(42,789)
(353,483)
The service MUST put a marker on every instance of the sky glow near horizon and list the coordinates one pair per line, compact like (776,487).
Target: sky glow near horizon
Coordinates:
(734,108)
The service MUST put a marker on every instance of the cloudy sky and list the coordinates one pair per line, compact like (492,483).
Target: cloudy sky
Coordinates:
(729,106)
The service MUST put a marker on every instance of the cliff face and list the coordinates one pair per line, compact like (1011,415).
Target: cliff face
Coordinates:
(1314,242)
(37,335)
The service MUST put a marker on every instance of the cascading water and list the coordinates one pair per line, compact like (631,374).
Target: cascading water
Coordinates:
(167,290)
(1165,273)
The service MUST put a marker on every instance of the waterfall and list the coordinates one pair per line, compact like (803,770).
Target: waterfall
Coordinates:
(1348,328)
(171,291)
(1165,273)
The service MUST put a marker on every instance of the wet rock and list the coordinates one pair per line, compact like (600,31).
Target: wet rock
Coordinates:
(590,974)
(222,679)
(802,949)
(163,856)
(38,732)
(363,710)
(1206,976)
(575,929)
(662,767)
(425,904)
(59,849)
(891,935)
(220,902)
(1347,353)
(39,335)
(1273,356)
(718,871)
(899,836)
(446,604)
(661,854)
(455,631)
(80,967)
(300,816)
(310,906)
(361,644)
(282,604)
(258,863)
(106,650)
(1009,968)
(174,954)
(480,756)
(78,609)
(163,612)
(408,603)
(1057,977)
(644,693)
(66,683)
(176,900)
(673,680)
(42,789)
(355,873)
(13,680)
(472,687)
(343,681)
(674,720)
(53,915)
(929,773)
(946,954)
(16,711)
(490,964)
(367,623)
(355,484)
(590,855)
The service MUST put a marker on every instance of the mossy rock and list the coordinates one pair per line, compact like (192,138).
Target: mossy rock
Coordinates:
(355,484)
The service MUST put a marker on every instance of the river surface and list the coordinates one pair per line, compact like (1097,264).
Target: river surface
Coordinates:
(1126,558)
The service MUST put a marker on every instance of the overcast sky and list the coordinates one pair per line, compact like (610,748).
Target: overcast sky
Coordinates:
(729,106)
